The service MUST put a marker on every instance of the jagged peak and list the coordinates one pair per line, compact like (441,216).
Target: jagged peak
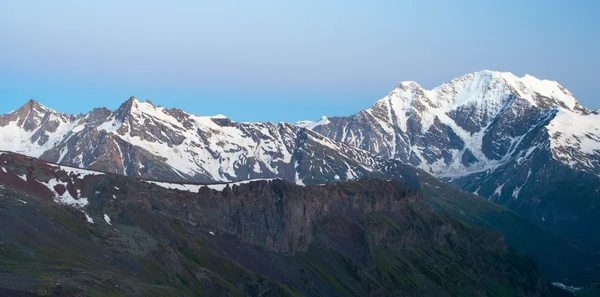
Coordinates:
(133,103)
(32,114)
(125,108)
(539,92)
(100,109)
(33,104)
(128,103)
(408,84)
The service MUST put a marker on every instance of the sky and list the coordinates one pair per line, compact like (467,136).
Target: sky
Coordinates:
(282,60)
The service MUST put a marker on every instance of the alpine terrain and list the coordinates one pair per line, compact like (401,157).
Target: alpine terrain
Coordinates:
(522,142)
(73,232)
(140,139)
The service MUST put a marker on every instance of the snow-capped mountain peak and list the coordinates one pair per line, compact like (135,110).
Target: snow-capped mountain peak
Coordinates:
(520,141)
(409,84)
(473,88)
(473,123)
(31,114)
(31,128)
(34,104)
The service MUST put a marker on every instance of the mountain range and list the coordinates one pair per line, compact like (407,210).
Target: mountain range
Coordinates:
(140,139)
(523,143)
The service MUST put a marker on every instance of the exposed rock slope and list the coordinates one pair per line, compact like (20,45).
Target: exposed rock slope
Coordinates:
(119,235)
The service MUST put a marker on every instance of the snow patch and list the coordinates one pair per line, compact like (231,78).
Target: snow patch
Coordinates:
(111,125)
(89,219)
(194,188)
(79,172)
(297,178)
(256,167)
(311,125)
(498,190)
(575,138)
(66,198)
(107,219)
(571,289)
(78,128)
(515,193)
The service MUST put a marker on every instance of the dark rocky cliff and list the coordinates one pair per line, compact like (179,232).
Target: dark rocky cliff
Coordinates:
(268,238)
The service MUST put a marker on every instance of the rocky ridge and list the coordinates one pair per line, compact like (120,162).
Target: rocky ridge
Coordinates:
(121,235)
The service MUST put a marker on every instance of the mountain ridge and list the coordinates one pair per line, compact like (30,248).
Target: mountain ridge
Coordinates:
(121,235)
(491,134)
(469,106)
(141,139)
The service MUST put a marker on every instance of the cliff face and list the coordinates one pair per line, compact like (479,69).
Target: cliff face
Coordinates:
(277,215)
(68,232)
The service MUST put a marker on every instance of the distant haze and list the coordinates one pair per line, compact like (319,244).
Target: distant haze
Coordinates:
(274,61)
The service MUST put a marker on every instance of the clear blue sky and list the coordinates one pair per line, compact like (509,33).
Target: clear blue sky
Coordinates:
(276,61)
